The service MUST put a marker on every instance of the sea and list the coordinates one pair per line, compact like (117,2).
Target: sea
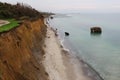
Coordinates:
(101,51)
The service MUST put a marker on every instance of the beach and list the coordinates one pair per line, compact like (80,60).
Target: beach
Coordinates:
(59,64)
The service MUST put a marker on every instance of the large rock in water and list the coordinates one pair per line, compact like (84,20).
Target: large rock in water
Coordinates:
(96,30)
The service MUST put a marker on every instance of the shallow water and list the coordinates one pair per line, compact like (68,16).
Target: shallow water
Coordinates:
(102,52)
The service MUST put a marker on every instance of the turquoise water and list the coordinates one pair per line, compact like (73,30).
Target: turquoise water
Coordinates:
(102,52)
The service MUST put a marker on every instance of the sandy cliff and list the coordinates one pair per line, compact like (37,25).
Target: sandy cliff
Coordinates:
(21,52)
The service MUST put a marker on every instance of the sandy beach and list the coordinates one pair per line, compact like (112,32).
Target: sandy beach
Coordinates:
(59,64)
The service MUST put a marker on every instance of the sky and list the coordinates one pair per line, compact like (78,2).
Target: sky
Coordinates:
(105,6)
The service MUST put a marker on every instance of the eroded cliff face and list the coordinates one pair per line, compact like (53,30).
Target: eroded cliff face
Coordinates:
(21,52)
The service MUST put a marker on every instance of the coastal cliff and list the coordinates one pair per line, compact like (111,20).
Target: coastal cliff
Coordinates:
(21,52)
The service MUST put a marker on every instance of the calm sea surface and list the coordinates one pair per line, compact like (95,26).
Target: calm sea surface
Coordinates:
(102,52)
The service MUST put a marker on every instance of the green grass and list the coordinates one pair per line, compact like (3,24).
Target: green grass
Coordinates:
(13,23)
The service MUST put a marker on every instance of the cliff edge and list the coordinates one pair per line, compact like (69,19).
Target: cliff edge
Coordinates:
(21,52)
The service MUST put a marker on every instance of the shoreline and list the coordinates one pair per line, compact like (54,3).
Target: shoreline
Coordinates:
(61,64)
(86,66)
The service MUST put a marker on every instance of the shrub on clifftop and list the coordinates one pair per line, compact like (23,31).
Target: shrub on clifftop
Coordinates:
(17,11)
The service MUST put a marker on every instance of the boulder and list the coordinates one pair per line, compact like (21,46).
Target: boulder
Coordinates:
(67,34)
(96,30)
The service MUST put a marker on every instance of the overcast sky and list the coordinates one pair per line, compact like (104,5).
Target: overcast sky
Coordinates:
(72,5)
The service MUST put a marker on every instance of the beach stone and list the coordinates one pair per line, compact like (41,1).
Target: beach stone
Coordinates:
(67,34)
(96,30)
(51,17)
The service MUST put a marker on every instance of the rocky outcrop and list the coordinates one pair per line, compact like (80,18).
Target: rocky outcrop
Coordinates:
(21,52)
(96,30)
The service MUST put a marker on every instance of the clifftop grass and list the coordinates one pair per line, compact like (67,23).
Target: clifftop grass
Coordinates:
(13,23)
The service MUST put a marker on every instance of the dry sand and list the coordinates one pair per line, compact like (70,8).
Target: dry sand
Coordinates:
(59,64)
(3,22)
